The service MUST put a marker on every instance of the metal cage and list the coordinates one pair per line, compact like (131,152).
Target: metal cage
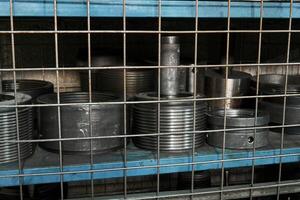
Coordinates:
(153,99)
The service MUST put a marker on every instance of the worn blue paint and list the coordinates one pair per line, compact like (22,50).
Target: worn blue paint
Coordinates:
(149,8)
(43,162)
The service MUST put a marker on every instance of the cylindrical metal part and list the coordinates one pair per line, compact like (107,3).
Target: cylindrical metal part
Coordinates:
(170,56)
(238,118)
(215,86)
(97,61)
(81,121)
(272,84)
(175,117)
(9,130)
(34,88)
(137,80)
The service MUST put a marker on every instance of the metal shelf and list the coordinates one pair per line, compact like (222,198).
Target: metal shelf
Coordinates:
(43,166)
(149,8)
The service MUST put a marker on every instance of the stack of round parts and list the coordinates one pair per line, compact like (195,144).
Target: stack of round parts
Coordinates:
(175,117)
(237,85)
(273,84)
(137,80)
(238,119)
(14,127)
(81,121)
(34,88)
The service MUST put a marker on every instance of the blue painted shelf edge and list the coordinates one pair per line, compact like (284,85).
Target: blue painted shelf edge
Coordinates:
(43,166)
(149,8)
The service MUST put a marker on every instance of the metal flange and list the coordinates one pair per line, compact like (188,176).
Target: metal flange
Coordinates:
(238,139)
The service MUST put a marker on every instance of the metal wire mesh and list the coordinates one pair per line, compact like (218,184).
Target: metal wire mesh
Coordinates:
(130,161)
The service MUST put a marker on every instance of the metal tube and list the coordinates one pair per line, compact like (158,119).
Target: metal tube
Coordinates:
(170,56)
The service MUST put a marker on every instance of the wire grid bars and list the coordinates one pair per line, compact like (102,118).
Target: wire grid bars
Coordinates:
(158,164)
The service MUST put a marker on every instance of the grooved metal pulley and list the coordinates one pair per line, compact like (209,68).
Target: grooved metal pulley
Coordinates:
(177,120)
(175,117)
(15,125)
(81,121)
(238,119)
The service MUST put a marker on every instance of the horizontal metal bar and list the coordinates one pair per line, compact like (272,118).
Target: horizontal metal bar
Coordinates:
(229,192)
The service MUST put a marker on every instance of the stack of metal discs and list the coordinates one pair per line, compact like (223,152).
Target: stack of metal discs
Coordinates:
(272,84)
(34,88)
(137,80)
(238,119)
(15,126)
(238,84)
(175,117)
(81,121)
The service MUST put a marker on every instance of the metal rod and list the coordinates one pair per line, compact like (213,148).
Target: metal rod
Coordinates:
(170,56)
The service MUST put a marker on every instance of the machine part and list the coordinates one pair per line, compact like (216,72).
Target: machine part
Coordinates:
(238,84)
(201,180)
(238,139)
(78,121)
(34,88)
(292,115)
(137,80)
(270,84)
(199,79)
(9,130)
(170,56)
(97,61)
(174,117)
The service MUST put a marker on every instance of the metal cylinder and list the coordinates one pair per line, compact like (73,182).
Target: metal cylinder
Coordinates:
(34,88)
(97,61)
(170,56)
(272,84)
(137,80)
(238,84)
(175,117)
(81,121)
(9,130)
(238,139)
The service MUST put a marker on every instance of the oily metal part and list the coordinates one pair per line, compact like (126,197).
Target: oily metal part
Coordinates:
(201,180)
(174,117)
(292,115)
(237,85)
(34,88)
(9,130)
(81,121)
(270,84)
(238,139)
(137,80)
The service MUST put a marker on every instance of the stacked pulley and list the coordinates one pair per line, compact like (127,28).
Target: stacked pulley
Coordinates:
(248,133)
(176,122)
(80,121)
(274,84)
(15,124)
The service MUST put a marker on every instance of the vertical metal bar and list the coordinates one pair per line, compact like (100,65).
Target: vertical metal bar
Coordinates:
(226,87)
(257,92)
(125,97)
(58,99)
(195,93)
(158,96)
(90,96)
(13,56)
(284,98)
